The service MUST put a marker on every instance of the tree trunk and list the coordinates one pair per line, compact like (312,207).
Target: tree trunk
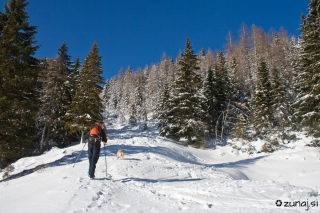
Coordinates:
(46,140)
(224,118)
(82,137)
(189,139)
(42,139)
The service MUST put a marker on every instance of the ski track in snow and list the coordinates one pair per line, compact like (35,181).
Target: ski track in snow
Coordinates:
(156,175)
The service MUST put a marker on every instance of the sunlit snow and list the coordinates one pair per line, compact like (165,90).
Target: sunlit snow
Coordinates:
(158,175)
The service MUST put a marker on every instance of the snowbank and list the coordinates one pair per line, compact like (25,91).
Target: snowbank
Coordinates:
(160,176)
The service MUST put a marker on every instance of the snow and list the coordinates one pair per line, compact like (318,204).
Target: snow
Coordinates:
(158,175)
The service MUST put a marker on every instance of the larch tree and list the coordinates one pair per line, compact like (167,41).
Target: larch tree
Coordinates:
(138,110)
(47,117)
(113,100)
(106,96)
(140,97)
(246,70)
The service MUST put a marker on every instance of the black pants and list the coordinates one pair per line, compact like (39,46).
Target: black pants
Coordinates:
(93,153)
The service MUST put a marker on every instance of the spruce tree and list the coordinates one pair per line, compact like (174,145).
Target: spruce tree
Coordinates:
(225,97)
(307,106)
(86,106)
(262,117)
(203,53)
(58,78)
(114,96)
(64,58)
(210,105)
(223,75)
(163,112)
(63,64)
(185,112)
(281,106)
(19,73)
(240,129)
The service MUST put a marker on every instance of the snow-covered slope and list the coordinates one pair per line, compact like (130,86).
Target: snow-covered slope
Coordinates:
(160,176)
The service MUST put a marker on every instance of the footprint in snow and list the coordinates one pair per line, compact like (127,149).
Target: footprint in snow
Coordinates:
(97,200)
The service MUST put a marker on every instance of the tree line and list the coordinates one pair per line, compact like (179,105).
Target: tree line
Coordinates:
(263,85)
(43,102)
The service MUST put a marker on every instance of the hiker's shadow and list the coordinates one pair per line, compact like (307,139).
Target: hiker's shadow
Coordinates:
(65,160)
(102,179)
(132,159)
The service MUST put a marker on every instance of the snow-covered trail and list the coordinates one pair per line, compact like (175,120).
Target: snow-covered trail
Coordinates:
(155,176)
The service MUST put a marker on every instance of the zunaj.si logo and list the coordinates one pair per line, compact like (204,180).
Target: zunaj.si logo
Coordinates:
(279,203)
(304,204)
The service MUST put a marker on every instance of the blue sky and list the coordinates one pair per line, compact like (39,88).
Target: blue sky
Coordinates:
(136,33)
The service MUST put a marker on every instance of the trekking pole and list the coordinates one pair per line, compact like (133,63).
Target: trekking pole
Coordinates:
(79,154)
(105,157)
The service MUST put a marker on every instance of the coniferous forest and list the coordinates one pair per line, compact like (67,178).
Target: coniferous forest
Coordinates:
(261,85)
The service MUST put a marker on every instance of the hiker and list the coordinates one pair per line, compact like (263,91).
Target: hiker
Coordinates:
(96,136)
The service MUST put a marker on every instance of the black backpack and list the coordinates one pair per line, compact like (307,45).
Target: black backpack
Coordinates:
(95,134)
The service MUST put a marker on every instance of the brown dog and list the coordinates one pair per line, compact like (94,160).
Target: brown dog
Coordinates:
(120,154)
